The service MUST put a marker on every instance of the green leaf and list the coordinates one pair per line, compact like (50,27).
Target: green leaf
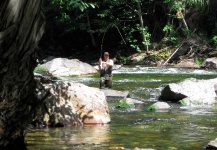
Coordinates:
(92,5)
(81,8)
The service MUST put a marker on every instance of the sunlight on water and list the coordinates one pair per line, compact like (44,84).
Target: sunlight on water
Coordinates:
(161,70)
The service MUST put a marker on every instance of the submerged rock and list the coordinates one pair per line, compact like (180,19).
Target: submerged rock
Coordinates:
(190,91)
(137,104)
(114,93)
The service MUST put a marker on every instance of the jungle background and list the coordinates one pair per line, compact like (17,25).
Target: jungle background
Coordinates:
(83,29)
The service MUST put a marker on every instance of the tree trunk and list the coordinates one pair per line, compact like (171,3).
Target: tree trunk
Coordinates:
(141,24)
(91,34)
(21,27)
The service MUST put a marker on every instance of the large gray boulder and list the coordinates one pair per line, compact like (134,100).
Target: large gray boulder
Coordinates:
(191,92)
(68,67)
(72,103)
(210,63)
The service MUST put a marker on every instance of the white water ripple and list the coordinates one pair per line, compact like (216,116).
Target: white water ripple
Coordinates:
(162,70)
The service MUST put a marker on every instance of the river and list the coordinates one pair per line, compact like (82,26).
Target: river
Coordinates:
(185,128)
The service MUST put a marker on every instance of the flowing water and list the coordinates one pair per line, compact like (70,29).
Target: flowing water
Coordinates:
(185,128)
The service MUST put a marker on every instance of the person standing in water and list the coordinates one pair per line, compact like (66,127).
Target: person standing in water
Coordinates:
(105,68)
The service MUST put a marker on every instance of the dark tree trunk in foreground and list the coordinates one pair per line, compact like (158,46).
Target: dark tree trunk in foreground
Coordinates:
(20,30)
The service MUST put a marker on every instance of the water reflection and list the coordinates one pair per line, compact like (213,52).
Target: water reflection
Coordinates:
(69,137)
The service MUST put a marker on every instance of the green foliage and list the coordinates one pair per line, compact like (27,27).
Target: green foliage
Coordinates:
(64,9)
(155,57)
(187,32)
(172,36)
(135,43)
(168,27)
(73,4)
(123,104)
(94,17)
(214,40)
(123,59)
(176,4)
(148,37)
(198,61)
(39,69)
(163,55)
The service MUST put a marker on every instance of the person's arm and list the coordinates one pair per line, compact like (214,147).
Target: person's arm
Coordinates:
(110,63)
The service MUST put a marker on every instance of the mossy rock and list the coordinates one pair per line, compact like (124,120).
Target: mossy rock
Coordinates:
(123,104)
(40,69)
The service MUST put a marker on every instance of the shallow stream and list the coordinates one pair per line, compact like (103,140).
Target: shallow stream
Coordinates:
(185,128)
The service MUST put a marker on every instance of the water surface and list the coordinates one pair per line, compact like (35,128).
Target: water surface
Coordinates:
(175,129)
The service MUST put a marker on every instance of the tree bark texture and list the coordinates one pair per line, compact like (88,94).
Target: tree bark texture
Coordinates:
(21,27)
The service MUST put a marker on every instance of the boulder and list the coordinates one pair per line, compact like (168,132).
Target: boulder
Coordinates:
(213,53)
(159,106)
(210,63)
(188,63)
(191,91)
(68,67)
(137,104)
(133,101)
(73,103)
(212,145)
(129,103)
(140,59)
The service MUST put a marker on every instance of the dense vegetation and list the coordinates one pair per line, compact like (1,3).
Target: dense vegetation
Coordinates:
(82,29)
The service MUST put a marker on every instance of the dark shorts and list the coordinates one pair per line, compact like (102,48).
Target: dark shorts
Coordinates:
(106,81)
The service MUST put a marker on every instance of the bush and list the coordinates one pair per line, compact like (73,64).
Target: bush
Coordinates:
(214,40)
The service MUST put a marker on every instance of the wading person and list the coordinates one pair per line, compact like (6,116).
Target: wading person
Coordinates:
(105,67)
